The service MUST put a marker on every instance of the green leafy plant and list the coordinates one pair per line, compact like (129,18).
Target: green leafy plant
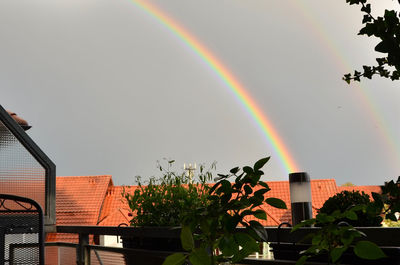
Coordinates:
(163,201)
(369,215)
(387,29)
(213,226)
(334,238)
(389,200)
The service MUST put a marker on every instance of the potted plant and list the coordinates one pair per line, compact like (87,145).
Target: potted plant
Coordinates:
(161,202)
(337,240)
(213,226)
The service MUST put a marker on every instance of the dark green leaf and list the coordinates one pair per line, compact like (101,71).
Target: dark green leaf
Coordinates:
(277,203)
(260,163)
(368,250)
(248,189)
(200,257)
(261,192)
(316,239)
(382,47)
(303,223)
(232,222)
(248,246)
(228,246)
(260,214)
(302,260)
(248,170)
(366,19)
(246,241)
(366,8)
(214,187)
(234,170)
(324,218)
(175,259)
(351,215)
(336,253)
(265,185)
(246,212)
(187,238)
(259,229)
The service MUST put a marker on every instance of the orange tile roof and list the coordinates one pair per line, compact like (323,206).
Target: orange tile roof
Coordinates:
(366,189)
(79,200)
(115,210)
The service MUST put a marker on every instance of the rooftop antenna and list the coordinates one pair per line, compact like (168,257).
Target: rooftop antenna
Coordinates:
(190,171)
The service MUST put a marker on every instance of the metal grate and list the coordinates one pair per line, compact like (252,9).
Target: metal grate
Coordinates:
(20,173)
(24,169)
(24,254)
(21,231)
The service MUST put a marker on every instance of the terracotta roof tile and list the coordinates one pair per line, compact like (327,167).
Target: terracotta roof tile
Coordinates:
(115,209)
(79,200)
(366,189)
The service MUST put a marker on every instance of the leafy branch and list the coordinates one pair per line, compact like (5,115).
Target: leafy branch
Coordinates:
(389,200)
(387,29)
(210,235)
(334,238)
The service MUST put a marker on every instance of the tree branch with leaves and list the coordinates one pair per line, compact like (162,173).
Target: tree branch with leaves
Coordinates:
(387,30)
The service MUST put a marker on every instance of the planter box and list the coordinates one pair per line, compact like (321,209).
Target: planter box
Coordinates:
(388,239)
(286,251)
(151,245)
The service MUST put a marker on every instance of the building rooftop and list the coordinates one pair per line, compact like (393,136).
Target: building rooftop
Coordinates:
(79,201)
(94,200)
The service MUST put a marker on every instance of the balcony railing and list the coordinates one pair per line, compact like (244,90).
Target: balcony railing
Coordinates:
(84,253)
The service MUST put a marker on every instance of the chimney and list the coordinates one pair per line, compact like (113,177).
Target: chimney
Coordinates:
(23,123)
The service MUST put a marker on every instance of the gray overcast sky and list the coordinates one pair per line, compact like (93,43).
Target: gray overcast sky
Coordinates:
(109,90)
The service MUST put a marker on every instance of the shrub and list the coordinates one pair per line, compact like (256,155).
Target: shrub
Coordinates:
(343,201)
(163,200)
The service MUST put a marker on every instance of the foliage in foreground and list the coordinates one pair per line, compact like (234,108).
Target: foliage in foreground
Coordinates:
(334,238)
(389,200)
(387,30)
(214,226)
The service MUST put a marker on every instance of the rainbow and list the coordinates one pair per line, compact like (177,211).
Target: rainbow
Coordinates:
(362,93)
(228,79)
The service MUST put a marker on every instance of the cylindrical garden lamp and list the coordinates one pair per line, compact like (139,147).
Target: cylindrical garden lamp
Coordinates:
(300,196)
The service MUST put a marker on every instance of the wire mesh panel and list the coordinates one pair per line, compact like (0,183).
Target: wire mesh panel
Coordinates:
(24,254)
(24,169)
(20,173)
(21,231)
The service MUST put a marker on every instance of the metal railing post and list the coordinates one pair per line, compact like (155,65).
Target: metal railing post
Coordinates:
(83,252)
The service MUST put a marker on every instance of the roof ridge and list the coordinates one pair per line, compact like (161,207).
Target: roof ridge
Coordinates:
(110,185)
(89,176)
